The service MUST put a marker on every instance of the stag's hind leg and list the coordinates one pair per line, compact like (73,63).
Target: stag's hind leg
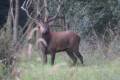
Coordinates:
(77,53)
(72,56)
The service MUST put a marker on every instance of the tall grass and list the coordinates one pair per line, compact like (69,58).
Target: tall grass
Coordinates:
(34,70)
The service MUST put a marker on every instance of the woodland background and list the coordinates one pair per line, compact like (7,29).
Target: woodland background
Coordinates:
(96,21)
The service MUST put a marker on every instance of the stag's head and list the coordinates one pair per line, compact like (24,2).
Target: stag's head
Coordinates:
(43,27)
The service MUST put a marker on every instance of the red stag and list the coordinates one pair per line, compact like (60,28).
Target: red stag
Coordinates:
(53,42)
(59,41)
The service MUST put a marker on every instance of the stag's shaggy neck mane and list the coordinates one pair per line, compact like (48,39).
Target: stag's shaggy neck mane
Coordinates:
(47,36)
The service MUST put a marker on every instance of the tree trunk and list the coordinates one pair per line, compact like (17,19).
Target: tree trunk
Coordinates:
(15,21)
(46,10)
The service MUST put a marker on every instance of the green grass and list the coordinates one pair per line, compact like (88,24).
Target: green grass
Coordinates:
(1,71)
(95,68)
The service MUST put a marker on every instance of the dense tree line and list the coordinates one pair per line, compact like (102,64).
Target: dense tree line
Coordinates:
(89,17)
(85,14)
(102,16)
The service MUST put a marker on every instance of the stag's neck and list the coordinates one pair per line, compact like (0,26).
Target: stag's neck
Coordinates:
(47,37)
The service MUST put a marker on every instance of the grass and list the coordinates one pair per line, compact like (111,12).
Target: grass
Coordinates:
(95,68)
(1,72)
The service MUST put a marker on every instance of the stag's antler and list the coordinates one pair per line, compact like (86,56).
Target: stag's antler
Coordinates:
(58,10)
(25,6)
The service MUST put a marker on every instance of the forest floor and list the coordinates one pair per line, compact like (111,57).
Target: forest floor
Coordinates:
(95,67)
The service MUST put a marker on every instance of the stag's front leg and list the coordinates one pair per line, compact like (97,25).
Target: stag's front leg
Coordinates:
(52,57)
(44,54)
(44,58)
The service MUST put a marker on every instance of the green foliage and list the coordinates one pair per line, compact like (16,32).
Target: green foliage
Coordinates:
(84,16)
